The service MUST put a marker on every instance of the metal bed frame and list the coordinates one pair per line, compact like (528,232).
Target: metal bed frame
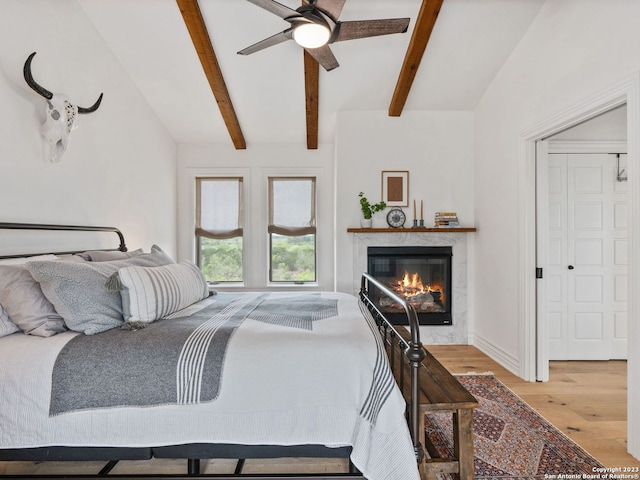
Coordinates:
(73,228)
(399,350)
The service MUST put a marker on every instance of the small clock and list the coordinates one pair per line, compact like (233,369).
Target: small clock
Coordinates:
(396,218)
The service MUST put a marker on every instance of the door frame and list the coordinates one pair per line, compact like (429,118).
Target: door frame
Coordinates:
(626,92)
(543,149)
(542,259)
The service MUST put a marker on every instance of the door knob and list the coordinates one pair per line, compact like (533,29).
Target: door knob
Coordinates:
(570,267)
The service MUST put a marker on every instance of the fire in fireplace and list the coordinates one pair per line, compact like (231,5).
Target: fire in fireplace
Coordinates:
(423,296)
(420,275)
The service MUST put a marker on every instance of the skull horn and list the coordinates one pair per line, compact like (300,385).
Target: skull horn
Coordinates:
(92,108)
(31,82)
(46,93)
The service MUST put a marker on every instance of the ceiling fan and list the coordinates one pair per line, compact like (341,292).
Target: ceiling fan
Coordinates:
(315,25)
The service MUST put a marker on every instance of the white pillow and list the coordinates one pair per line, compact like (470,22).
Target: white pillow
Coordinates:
(23,260)
(7,327)
(150,293)
(32,310)
(25,304)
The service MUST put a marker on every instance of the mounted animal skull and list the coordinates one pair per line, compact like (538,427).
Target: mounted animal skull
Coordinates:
(61,115)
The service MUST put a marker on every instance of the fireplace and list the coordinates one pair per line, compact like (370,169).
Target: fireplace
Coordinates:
(421,275)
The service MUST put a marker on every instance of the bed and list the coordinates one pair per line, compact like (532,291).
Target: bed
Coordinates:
(144,361)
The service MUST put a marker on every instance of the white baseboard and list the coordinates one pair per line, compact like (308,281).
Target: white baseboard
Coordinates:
(505,359)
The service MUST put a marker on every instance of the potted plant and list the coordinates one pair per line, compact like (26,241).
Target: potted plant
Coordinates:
(368,210)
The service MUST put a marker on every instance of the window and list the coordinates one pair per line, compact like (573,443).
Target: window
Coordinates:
(292,229)
(219,228)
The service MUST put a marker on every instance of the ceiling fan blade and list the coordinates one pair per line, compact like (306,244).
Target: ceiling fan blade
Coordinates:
(370,28)
(276,8)
(332,7)
(268,42)
(324,56)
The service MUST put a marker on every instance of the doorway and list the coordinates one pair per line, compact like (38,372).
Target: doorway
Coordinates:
(582,224)
(534,355)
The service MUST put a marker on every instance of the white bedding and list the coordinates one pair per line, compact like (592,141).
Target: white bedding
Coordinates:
(280,385)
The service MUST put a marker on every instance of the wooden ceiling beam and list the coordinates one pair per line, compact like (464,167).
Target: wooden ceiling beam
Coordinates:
(202,42)
(425,22)
(311,88)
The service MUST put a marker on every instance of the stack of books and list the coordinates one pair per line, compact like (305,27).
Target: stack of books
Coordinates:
(446,220)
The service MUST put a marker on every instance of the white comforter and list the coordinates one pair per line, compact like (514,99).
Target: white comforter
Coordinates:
(280,385)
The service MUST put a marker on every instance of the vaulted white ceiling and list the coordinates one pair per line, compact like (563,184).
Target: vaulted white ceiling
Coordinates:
(470,42)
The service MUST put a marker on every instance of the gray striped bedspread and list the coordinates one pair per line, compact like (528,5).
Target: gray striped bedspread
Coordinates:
(177,360)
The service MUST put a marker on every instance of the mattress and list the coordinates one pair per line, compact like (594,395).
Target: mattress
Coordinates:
(288,374)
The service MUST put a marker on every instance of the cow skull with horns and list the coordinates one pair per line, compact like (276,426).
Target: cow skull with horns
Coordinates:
(61,115)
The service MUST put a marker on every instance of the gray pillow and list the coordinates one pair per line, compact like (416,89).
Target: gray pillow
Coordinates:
(77,289)
(107,256)
(26,305)
(7,327)
(70,258)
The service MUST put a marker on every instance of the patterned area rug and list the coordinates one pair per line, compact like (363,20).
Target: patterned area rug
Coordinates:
(511,440)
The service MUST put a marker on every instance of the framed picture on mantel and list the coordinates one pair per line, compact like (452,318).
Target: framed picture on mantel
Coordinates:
(395,188)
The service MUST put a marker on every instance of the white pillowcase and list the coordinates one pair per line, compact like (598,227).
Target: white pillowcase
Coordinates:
(25,304)
(23,260)
(7,327)
(150,293)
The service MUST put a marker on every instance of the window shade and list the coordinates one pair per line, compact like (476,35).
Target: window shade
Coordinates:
(219,208)
(292,206)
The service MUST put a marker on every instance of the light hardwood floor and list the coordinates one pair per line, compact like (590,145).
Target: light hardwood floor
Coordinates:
(585,400)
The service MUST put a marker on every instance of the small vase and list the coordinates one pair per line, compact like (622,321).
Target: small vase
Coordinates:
(365,223)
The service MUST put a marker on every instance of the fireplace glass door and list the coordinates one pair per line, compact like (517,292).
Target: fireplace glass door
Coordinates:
(420,275)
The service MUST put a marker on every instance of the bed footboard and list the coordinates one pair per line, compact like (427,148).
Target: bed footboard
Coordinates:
(405,353)
(430,388)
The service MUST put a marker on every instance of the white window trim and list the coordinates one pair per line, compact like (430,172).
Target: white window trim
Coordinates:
(187,211)
(324,238)
(270,179)
(255,238)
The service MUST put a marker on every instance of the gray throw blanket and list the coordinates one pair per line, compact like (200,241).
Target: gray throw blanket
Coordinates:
(178,360)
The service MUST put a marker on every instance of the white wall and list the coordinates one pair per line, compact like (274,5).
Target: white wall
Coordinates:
(435,147)
(611,125)
(256,164)
(564,58)
(120,166)
(573,50)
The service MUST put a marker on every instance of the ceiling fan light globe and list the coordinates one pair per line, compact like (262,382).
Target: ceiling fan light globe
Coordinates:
(311,35)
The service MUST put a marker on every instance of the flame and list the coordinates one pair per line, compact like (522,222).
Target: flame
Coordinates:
(411,283)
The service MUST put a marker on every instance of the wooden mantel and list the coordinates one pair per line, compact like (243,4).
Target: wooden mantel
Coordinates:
(412,230)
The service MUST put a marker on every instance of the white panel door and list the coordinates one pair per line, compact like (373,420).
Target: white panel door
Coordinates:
(587,258)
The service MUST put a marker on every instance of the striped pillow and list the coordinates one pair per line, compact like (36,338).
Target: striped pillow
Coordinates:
(150,293)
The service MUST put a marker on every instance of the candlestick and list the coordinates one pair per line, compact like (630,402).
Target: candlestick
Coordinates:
(421,216)
(414,209)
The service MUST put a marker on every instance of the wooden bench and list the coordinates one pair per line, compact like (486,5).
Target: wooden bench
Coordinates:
(439,392)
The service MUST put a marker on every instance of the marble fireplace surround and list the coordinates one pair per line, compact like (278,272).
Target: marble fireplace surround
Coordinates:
(429,334)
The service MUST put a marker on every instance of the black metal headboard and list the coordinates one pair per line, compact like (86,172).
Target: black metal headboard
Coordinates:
(77,228)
